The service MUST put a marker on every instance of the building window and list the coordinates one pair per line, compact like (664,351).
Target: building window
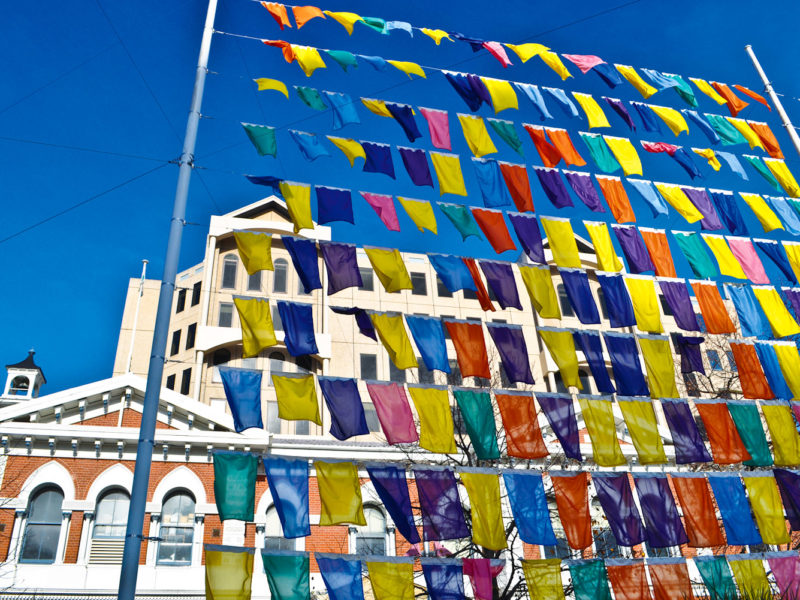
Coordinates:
(470,295)
(731,361)
(692,387)
(665,307)
(111,516)
(277,365)
(601,300)
(444,327)
(419,285)
(395,374)
(273,421)
(306,364)
(371,538)
(301,428)
(185,380)
(424,374)
(175,346)
(367,283)
(254,282)
(277,322)
(229,266)
(225,315)
(371,416)
(714,361)
(196,293)
(369,366)
(43,526)
(441,289)
(273,533)
(454,376)
(181,303)
(301,289)
(563,300)
(191,331)
(170,382)
(19,386)
(220,357)
(560,550)
(281,269)
(250,363)
(177,530)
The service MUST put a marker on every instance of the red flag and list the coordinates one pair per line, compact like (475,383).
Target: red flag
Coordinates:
(727,447)
(698,512)
(494,228)
(516,178)
(482,293)
(523,435)
(548,152)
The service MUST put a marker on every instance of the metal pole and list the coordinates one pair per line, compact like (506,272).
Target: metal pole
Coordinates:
(144,450)
(787,124)
(136,316)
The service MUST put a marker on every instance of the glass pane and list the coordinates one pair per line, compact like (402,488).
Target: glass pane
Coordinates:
(178,510)
(366,279)
(277,323)
(424,374)
(454,376)
(273,422)
(369,366)
(46,507)
(563,300)
(254,282)
(441,289)
(372,418)
(279,276)
(225,315)
(301,428)
(370,545)
(419,286)
(395,374)
(41,542)
(278,543)
(229,272)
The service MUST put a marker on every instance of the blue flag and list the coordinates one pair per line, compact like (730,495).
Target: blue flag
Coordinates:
(453,273)
(288,484)
(444,578)
(344,403)
(529,506)
(342,576)
(243,391)
(298,325)
(740,529)
(304,259)
(392,487)
(428,335)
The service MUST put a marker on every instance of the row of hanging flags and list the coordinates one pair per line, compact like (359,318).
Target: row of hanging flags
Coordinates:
(229,572)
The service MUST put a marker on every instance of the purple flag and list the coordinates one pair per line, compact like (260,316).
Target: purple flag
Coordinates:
(635,251)
(527,229)
(342,266)
(616,497)
(462,87)
(560,413)
(444,578)
(553,186)
(442,515)
(793,295)
(500,278)
(391,485)
(689,447)
(691,357)
(581,184)
(576,284)
(663,524)
(379,158)
(789,487)
(680,304)
(404,116)
(365,326)
(620,109)
(477,85)
(513,351)
(333,204)
(702,202)
(416,163)
(344,403)
(588,341)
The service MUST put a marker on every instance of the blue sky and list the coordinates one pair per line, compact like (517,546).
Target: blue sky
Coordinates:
(113,80)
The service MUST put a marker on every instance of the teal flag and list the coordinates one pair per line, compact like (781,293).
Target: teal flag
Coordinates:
(727,132)
(344,58)
(262,137)
(505,129)
(695,252)
(716,576)
(589,580)
(461,218)
(235,485)
(310,97)
(601,153)
(684,90)
(287,575)
(748,424)
(476,410)
(759,166)
(375,23)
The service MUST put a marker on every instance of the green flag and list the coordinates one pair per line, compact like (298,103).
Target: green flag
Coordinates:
(235,485)
(695,252)
(262,137)
(590,580)
(310,97)
(476,410)
(287,575)
(748,424)
(716,576)
(344,58)
(601,153)
(759,166)
(505,129)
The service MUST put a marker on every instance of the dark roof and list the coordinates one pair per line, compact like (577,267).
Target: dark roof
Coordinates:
(28,364)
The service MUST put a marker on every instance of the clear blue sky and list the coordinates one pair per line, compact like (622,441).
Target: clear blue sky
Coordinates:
(116,78)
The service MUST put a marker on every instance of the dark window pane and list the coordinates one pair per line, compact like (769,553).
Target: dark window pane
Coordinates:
(43,527)
(196,293)
(601,300)
(301,428)
(175,346)
(277,322)
(185,380)
(395,374)
(229,267)
(279,276)
(731,361)
(665,308)
(181,304)
(419,285)
(170,385)
(369,366)
(278,543)
(372,417)
(191,331)
(470,295)
(254,282)
(425,375)
(441,289)
(367,283)
(714,360)
(563,300)
(225,315)
(454,376)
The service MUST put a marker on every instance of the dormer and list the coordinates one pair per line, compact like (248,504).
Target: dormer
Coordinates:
(23,381)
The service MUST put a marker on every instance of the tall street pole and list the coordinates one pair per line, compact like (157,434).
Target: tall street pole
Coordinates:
(147,429)
(775,100)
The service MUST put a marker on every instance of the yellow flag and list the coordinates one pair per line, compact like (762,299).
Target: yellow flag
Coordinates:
(229,573)
(351,148)
(483,490)
(599,420)
(377,107)
(607,258)
(501,92)
(388,266)
(780,319)
(710,156)
(552,60)
(594,114)
(765,499)
(539,283)
(435,419)
(641,421)
(448,172)
(728,265)
(391,580)
(339,493)
(747,131)
(672,118)
(298,202)
(308,58)
(527,51)
(561,345)
(562,243)
(642,291)
(706,88)
(409,68)
(437,35)
(297,398)
(793,254)
(782,431)
(789,360)
(679,201)
(420,212)
(476,135)
(660,366)
(629,73)
(768,219)
(256,322)
(255,250)
(544,579)
(784,176)
(394,338)
(345,19)
(750,578)
(271,84)
(625,153)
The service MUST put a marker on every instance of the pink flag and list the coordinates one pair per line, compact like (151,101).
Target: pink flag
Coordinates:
(745,253)
(439,127)
(496,49)
(660,147)
(384,206)
(585,62)
(391,404)
(786,570)
(481,572)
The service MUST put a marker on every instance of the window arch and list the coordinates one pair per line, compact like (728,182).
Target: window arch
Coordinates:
(273,532)
(563,300)
(43,526)
(370,539)
(111,515)
(177,529)
(19,386)
(279,275)
(230,265)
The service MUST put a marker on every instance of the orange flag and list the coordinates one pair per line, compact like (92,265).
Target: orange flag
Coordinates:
(698,511)
(563,144)
(629,580)
(751,375)
(494,228)
(753,95)
(767,138)
(303,14)
(670,579)
(715,315)
(278,12)
(523,435)
(572,501)
(617,198)
(658,248)
(735,104)
(470,348)
(726,445)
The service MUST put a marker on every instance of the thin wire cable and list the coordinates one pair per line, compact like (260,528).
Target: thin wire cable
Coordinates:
(81,149)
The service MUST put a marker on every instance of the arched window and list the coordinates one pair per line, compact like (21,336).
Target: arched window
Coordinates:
(43,527)
(273,533)
(279,276)
(229,267)
(112,515)
(563,300)
(371,538)
(177,530)
(19,386)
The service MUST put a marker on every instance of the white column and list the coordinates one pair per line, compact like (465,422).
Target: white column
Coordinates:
(63,536)
(197,540)
(152,547)
(86,536)
(16,535)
